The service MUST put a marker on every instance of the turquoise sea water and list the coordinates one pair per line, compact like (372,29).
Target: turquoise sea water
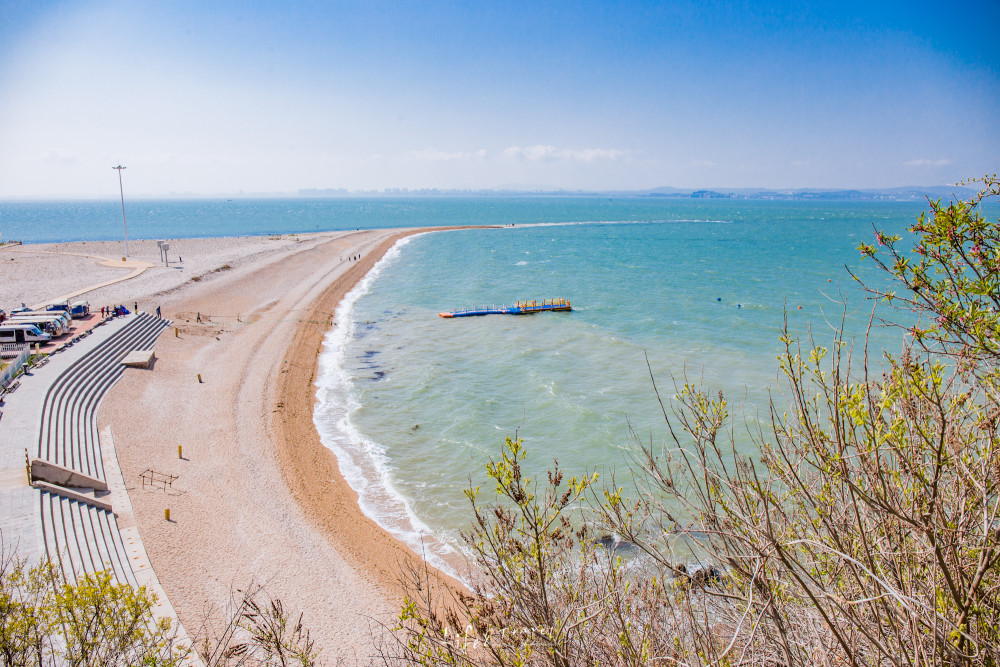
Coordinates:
(414,404)
(44,222)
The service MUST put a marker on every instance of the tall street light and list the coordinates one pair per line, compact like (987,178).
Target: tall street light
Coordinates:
(122,190)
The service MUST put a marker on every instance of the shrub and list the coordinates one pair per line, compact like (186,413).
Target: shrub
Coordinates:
(864,529)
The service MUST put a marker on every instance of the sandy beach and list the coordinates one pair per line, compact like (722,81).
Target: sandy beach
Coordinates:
(258,499)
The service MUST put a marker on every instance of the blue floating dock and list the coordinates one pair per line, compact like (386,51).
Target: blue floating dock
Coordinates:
(518,308)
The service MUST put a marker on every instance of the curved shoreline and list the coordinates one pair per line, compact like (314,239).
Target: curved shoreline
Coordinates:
(259,498)
(311,470)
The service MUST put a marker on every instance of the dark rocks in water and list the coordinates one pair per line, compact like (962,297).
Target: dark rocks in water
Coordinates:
(700,574)
(613,543)
(705,575)
(606,541)
(378,376)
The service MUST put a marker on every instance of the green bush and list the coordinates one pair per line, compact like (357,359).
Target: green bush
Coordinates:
(95,622)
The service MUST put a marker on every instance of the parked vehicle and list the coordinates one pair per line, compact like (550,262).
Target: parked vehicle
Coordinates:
(63,315)
(79,309)
(75,309)
(55,322)
(22,333)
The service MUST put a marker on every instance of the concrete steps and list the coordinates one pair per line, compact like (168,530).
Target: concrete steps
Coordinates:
(68,434)
(81,538)
(79,528)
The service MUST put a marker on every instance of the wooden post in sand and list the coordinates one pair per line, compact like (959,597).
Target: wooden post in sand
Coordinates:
(166,514)
(199,378)
(179,455)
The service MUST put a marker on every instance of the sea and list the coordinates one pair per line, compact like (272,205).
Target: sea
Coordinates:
(665,293)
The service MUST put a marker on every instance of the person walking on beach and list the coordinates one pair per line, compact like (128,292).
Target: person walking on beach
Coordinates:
(136,309)
(198,319)
(159,315)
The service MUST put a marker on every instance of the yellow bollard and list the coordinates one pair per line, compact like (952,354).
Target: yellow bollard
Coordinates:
(199,378)
(179,455)
(176,335)
(166,514)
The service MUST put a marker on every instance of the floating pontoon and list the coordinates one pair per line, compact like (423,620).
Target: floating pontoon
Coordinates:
(519,308)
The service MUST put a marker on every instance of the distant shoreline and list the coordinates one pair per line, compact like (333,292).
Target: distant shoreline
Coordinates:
(899,193)
(96,221)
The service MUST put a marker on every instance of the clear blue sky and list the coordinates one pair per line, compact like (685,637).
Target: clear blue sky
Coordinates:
(222,97)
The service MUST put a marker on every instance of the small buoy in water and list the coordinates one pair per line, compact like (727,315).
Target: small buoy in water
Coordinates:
(718,298)
(739,305)
(800,307)
(827,280)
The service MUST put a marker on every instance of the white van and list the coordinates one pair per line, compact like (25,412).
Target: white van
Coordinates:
(59,318)
(55,323)
(22,333)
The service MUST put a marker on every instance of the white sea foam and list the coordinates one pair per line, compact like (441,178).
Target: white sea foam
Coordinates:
(363,462)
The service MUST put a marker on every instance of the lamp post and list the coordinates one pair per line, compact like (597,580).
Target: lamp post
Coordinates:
(122,190)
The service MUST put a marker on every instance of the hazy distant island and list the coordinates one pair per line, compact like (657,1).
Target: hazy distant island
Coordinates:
(906,193)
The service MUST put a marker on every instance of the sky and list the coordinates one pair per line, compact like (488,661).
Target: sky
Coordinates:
(229,98)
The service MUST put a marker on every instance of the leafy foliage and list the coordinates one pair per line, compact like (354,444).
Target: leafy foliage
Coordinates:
(954,278)
(99,623)
(95,622)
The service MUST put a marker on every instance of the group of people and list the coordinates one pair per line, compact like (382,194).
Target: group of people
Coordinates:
(115,311)
(354,258)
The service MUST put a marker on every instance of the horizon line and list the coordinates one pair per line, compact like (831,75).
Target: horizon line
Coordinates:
(389,192)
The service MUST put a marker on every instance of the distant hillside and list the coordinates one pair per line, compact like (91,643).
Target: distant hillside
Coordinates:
(908,193)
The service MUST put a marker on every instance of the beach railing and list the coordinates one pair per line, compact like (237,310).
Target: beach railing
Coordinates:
(20,354)
(8,350)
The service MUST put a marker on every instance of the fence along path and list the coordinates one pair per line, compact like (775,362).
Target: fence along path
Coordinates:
(68,434)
